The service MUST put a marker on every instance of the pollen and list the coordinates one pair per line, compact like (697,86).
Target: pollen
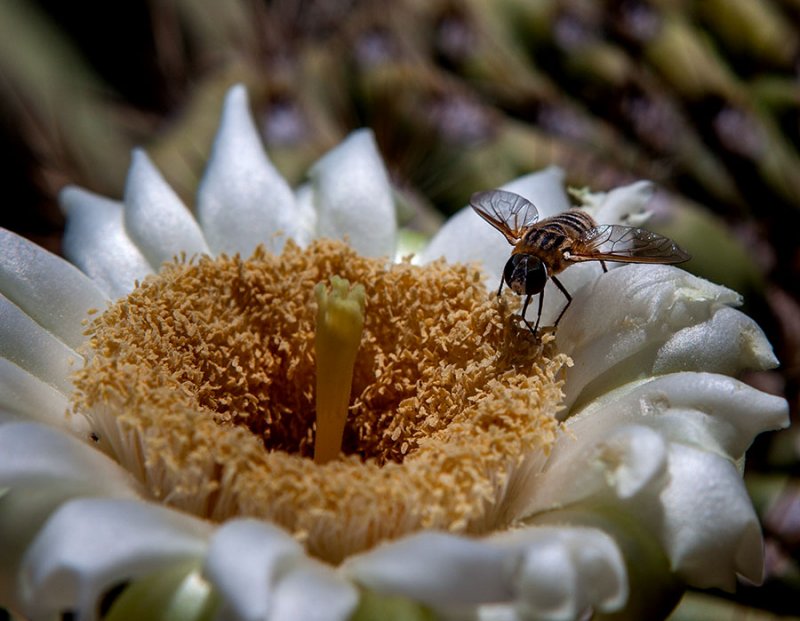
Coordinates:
(202,382)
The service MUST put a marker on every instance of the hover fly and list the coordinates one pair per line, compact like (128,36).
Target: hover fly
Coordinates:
(544,249)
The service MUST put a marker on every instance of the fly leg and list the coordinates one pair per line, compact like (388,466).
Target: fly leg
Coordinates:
(603,263)
(525,308)
(539,314)
(568,296)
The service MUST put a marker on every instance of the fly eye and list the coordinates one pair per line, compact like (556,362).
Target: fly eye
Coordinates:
(535,276)
(525,274)
(508,270)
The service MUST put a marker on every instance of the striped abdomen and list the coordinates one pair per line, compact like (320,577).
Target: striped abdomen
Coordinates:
(550,238)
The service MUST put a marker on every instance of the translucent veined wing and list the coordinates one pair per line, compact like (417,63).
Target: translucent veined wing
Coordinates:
(627,244)
(509,213)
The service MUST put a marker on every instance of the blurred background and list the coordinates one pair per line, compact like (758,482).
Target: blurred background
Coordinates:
(700,96)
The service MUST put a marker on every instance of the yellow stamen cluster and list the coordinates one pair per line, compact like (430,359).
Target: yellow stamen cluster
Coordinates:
(202,383)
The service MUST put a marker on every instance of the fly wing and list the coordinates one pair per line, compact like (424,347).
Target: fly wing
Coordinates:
(509,213)
(627,244)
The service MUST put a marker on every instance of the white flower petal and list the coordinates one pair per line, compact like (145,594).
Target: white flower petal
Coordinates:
(155,218)
(50,290)
(726,343)
(95,240)
(497,612)
(710,530)
(28,345)
(693,501)
(353,196)
(30,453)
(39,469)
(573,279)
(243,200)
(11,416)
(648,450)
(245,557)
(565,572)
(547,578)
(592,460)
(90,545)
(705,410)
(436,569)
(313,592)
(618,322)
(623,205)
(306,214)
(544,188)
(545,572)
(26,394)
(466,237)
(23,514)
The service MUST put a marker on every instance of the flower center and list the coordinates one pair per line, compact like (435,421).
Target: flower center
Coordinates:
(203,383)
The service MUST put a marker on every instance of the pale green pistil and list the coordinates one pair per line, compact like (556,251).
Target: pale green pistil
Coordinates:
(340,321)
